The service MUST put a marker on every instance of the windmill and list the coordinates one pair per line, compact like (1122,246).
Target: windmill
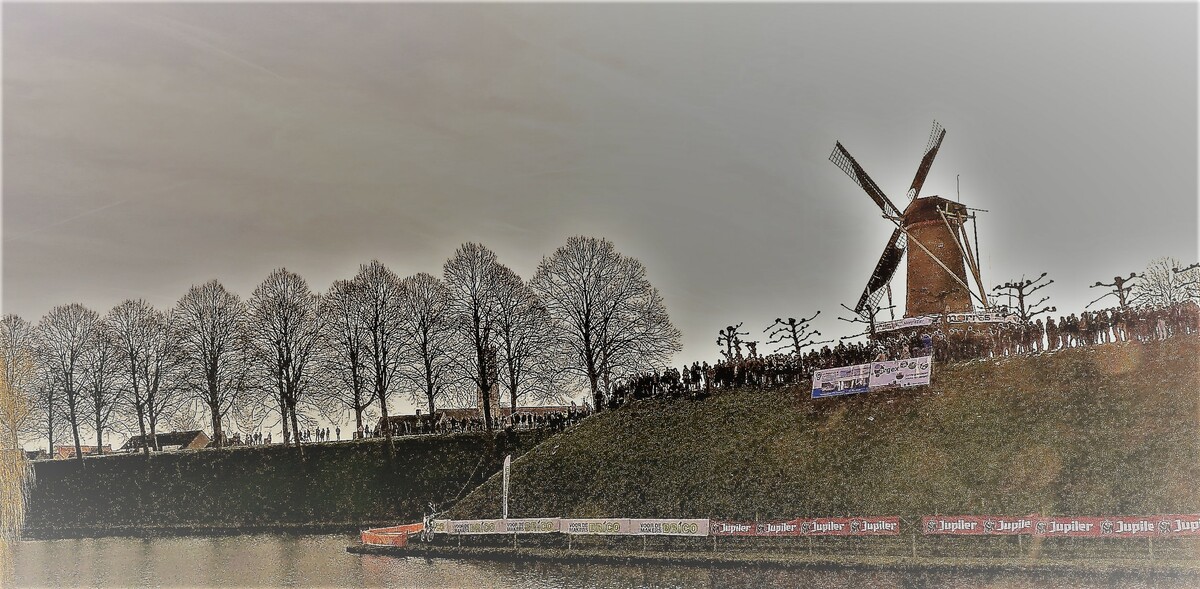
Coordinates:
(937,266)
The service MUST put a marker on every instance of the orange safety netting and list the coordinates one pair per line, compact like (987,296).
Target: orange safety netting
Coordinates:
(393,536)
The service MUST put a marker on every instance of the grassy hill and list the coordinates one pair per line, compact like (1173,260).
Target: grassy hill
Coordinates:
(1111,429)
(332,484)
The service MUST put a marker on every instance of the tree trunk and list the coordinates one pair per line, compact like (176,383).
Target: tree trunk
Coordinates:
(387,425)
(597,396)
(141,411)
(283,419)
(50,424)
(99,434)
(295,424)
(216,424)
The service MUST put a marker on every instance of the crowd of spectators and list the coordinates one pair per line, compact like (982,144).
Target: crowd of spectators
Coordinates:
(946,342)
(550,421)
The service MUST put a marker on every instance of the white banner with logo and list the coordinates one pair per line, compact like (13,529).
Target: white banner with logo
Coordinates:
(951,318)
(532,525)
(901,373)
(474,526)
(601,526)
(669,527)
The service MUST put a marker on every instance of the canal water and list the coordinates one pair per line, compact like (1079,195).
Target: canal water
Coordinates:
(279,560)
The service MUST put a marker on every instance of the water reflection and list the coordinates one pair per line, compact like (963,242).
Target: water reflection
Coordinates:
(272,560)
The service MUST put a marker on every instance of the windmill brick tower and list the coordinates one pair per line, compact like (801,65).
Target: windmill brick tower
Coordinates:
(941,264)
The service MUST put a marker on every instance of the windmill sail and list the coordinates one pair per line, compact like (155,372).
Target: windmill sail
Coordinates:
(931,149)
(842,159)
(893,252)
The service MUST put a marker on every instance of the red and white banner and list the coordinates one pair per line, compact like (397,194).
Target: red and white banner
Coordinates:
(1121,526)
(814,526)
(731,528)
(1135,526)
(850,526)
(977,525)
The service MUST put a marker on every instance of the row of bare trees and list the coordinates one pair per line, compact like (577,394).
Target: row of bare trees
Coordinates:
(588,316)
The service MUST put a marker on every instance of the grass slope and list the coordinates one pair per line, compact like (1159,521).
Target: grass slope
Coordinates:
(1110,429)
(344,483)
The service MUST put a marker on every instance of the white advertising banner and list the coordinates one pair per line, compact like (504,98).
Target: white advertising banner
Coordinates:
(952,318)
(669,527)
(845,380)
(901,373)
(604,526)
(532,525)
(474,526)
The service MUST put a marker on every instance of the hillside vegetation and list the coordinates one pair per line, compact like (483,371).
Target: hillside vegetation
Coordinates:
(1112,429)
(347,483)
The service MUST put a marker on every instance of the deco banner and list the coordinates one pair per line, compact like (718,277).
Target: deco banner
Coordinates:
(669,527)
(532,525)
(977,525)
(849,526)
(475,526)
(606,527)
(910,372)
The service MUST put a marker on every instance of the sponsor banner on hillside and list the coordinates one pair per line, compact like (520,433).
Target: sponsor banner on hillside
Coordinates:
(977,525)
(1179,525)
(846,380)
(475,526)
(849,526)
(1128,526)
(669,527)
(909,372)
(951,318)
(532,525)
(777,528)
(860,378)
(601,526)
(903,323)
(731,528)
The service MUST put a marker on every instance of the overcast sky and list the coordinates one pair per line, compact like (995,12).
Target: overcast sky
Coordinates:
(147,148)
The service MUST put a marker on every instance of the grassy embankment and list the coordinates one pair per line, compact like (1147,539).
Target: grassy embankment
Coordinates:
(1111,429)
(346,484)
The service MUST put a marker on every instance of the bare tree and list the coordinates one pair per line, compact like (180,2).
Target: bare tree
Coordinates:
(284,329)
(378,291)
(1190,276)
(793,334)
(731,340)
(65,334)
(472,275)
(524,339)
(428,336)
(101,372)
(1019,294)
(345,352)
(16,354)
(605,312)
(1161,285)
(149,362)
(211,331)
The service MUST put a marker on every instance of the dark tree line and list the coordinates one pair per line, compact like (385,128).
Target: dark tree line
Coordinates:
(587,317)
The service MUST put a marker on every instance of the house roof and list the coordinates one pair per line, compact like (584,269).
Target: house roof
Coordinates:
(168,439)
